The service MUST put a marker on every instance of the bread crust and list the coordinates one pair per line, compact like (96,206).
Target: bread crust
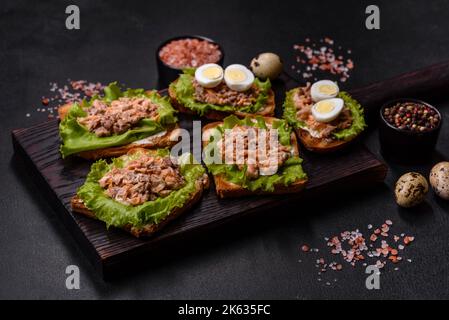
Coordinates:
(147,230)
(266,111)
(169,139)
(226,189)
(319,145)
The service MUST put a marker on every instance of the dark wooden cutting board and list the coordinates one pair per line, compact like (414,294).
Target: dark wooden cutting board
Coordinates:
(112,251)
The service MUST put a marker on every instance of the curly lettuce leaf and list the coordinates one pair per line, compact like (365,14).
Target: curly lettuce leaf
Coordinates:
(116,214)
(290,110)
(290,172)
(184,90)
(76,138)
(358,119)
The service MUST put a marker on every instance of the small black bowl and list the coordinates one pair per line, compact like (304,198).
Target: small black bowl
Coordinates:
(166,73)
(407,146)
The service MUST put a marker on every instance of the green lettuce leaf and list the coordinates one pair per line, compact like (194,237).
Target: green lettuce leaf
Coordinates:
(290,110)
(358,119)
(290,172)
(76,138)
(114,213)
(184,90)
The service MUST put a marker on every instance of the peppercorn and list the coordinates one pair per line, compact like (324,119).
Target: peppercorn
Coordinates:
(412,117)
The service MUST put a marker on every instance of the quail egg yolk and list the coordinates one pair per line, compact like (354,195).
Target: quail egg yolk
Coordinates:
(327,89)
(212,72)
(324,107)
(235,75)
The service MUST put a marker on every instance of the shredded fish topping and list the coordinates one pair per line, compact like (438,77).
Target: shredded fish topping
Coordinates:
(258,149)
(221,95)
(120,116)
(143,179)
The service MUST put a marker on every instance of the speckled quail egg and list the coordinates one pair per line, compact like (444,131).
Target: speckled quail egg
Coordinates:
(439,179)
(267,65)
(411,189)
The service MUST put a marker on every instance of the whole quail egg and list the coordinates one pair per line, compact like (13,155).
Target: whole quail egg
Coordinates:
(411,189)
(267,65)
(439,179)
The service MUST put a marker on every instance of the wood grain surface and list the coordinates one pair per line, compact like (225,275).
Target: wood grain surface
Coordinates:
(38,146)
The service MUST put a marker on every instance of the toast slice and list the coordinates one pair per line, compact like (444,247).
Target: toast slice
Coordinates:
(266,111)
(167,140)
(226,189)
(147,230)
(320,145)
(324,144)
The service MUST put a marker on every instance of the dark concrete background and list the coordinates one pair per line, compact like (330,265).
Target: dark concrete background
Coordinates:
(254,260)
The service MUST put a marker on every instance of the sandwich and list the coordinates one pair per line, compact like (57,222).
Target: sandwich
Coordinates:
(324,118)
(112,124)
(141,191)
(253,155)
(210,92)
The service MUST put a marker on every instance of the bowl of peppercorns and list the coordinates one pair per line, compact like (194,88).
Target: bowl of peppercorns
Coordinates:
(409,129)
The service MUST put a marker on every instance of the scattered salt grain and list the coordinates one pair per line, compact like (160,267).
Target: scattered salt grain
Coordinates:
(352,248)
(328,60)
(73,91)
